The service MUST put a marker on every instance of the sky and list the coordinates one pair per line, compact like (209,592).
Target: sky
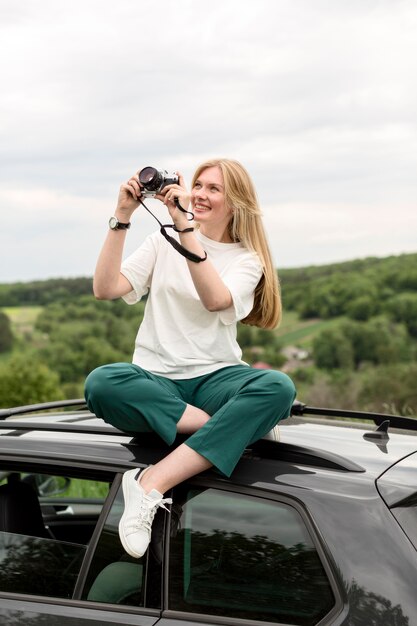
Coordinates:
(317,99)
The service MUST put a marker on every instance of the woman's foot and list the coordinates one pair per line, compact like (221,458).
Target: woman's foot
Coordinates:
(135,525)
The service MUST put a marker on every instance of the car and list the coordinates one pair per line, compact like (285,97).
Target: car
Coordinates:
(316,528)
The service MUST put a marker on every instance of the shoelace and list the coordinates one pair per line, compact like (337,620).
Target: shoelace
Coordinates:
(147,511)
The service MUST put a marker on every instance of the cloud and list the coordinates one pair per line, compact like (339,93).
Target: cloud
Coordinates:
(318,100)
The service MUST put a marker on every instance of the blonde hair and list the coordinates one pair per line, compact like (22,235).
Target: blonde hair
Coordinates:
(246,226)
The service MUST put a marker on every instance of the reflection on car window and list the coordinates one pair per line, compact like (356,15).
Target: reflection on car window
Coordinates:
(406,514)
(46,523)
(114,576)
(38,566)
(240,556)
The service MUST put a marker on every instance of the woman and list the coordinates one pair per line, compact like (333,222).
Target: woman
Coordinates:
(187,375)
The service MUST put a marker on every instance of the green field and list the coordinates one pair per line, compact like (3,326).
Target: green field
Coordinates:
(22,318)
(294,331)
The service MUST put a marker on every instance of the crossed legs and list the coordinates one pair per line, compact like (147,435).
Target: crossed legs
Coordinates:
(236,406)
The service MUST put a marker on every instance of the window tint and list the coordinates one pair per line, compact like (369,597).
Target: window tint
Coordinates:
(46,522)
(38,566)
(241,556)
(397,486)
(114,576)
(406,515)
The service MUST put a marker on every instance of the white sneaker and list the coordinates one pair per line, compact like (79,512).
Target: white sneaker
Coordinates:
(136,522)
(273,434)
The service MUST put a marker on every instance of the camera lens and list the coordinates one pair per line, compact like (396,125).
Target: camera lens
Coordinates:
(150,178)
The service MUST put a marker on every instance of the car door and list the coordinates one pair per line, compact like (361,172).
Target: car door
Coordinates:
(237,553)
(61,561)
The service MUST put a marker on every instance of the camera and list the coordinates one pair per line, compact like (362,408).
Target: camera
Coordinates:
(153,181)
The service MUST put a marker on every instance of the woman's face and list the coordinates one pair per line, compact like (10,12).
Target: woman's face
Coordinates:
(208,199)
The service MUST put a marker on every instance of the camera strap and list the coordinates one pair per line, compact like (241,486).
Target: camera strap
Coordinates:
(174,243)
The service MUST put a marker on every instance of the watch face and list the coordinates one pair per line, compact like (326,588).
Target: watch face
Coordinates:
(113,223)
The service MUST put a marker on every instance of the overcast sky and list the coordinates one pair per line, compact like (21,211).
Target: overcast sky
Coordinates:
(317,98)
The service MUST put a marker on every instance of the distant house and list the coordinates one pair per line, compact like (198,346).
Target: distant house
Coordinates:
(261,365)
(294,353)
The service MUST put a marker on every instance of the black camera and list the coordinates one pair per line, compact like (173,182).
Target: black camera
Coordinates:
(153,181)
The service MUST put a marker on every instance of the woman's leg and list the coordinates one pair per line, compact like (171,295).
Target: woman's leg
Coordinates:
(143,494)
(257,401)
(192,420)
(246,404)
(180,464)
(137,401)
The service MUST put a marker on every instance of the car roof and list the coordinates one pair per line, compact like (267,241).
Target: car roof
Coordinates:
(352,441)
(79,437)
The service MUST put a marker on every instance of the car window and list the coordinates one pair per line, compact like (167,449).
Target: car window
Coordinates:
(398,487)
(114,577)
(38,566)
(241,556)
(46,523)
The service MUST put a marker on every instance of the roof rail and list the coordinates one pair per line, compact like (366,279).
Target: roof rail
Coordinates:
(298,408)
(395,421)
(66,427)
(42,406)
(305,455)
(71,424)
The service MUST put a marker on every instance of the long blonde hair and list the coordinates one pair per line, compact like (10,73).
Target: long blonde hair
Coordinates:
(246,226)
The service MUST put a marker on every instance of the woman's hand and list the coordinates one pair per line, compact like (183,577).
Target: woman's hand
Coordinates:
(168,196)
(129,196)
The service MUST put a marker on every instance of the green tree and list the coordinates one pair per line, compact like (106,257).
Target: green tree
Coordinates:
(390,389)
(259,345)
(329,290)
(86,333)
(24,380)
(403,308)
(353,343)
(362,308)
(332,349)
(377,341)
(6,334)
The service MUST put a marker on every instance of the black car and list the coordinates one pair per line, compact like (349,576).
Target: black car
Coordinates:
(319,527)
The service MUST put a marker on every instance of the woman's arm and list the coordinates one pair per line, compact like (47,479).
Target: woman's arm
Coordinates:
(213,293)
(108,282)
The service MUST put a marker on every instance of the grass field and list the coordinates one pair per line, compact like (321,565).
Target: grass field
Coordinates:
(22,318)
(294,331)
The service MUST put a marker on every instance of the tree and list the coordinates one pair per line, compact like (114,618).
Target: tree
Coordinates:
(27,381)
(354,343)
(390,388)
(6,335)
(332,349)
(362,308)
(403,308)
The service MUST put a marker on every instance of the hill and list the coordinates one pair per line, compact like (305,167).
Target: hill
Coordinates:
(40,292)
(358,288)
(348,336)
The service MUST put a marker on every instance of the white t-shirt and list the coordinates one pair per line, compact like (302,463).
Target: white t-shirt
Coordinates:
(178,337)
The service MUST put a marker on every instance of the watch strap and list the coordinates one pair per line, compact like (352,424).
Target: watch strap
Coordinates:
(114,224)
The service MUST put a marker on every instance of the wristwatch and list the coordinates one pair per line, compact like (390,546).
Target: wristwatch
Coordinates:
(114,224)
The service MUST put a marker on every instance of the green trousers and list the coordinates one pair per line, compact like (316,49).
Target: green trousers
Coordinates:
(244,404)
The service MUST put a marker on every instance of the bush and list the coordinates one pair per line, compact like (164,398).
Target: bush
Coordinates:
(403,308)
(6,334)
(353,343)
(390,389)
(27,381)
